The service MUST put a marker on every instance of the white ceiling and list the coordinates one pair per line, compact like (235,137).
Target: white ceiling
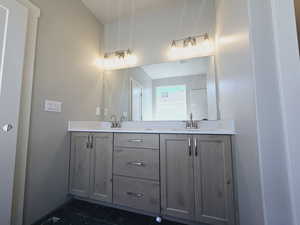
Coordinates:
(109,10)
(177,69)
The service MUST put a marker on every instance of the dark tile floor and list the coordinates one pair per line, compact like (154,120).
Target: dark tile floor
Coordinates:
(82,213)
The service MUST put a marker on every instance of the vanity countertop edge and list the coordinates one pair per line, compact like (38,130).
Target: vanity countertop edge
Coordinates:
(209,128)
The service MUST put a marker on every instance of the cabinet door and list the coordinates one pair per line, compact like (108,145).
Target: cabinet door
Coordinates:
(101,167)
(177,189)
(80,165)
(213,180)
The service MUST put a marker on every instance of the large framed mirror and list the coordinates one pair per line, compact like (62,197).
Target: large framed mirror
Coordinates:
(169,91)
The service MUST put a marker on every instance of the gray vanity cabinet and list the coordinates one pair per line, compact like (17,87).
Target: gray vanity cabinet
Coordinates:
(179,176)
(213,179)
(91,166)
(177,189)
(80,165)
(196,178)
(101,167)
(136,182)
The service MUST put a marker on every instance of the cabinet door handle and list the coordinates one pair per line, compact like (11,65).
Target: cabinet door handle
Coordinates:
(190,147)
(136,195)
(135,140)
(138,164)
(196,147)
(88,142)
(92,141)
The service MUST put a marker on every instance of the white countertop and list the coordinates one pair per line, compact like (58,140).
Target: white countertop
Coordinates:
(205,127)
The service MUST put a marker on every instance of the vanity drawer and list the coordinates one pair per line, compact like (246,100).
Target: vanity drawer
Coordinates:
(139,163)
(137,140)
(137,194)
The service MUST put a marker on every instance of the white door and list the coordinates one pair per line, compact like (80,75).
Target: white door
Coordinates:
(199,105)
(136,101)
(13,25)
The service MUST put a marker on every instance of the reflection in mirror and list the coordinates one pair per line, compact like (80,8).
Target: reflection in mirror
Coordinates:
(166,91)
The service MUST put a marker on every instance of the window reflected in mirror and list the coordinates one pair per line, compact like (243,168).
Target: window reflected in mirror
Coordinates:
(170,102)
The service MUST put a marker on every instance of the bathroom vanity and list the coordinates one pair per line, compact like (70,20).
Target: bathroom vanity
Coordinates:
(181,174)
(162,157)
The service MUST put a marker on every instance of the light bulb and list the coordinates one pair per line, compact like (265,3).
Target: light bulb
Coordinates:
(173,45)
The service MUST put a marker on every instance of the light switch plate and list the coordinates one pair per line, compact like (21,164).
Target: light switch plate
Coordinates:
(53,106)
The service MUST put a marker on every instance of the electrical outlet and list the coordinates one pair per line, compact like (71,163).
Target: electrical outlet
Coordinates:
(98,111)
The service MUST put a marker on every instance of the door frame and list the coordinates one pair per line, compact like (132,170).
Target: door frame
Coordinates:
(288,65)
(130,97)
(25,111)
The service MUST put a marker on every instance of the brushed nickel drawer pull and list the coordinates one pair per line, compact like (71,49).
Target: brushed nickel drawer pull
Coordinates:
(92,142)
(88,144)
(135,140)
(139,164)
(137,195)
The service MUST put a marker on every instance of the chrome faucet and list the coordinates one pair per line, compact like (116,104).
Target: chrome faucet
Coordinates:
(191,124)
(117,123)
(114,122)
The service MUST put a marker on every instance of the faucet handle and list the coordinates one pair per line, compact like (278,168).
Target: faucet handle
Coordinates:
(187,124)
(113,119)
(122,118)
(195,124)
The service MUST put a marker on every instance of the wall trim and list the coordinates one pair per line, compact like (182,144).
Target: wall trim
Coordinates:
(25,111)
(34,10)
(287,55)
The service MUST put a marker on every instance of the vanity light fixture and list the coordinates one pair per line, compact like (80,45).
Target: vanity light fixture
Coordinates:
(189,42)
(190,47)
(119,59)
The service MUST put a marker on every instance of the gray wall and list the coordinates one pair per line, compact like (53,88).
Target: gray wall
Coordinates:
(249,94)
(272,146)
(154,30)
(69,39)
(237,101)
(287,52)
